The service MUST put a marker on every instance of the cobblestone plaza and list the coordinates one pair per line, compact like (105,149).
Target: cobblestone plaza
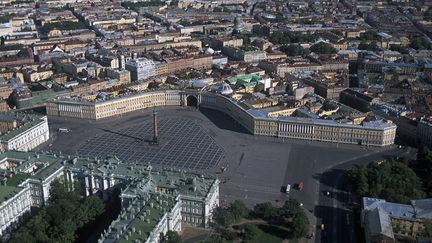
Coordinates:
(184,144)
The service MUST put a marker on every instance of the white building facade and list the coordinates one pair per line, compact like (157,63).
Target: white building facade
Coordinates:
(12,210)
(27,137)
(141,68)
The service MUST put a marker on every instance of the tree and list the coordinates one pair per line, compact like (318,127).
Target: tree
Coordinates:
(64,25)
(11,47)
(294,50)
(217,9)
(428,14)
(323,48)
(137,5)
(171,237)
(427,231)
(369,35)
(373,46)
(293,216)
(4,18)
(228,234)
(398,48)
(266,211)
(230,215)
(250,231)
(238,209)
(337,32)
(299,226)
(420,43)
(216,239)
(245,36)
(286,37)
(64,215)
(391,180)
(423,168)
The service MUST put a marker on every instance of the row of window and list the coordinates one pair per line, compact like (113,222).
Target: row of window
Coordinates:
(191,219)
(192,210)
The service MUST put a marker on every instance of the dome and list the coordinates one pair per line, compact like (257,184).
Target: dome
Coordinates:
(225,89)
(209,51)
(222,88)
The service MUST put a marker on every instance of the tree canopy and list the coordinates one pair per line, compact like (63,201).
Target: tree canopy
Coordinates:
(427,231)
(420,43)
(290,219)
(391,180)
(137,5)
(423,168)
(398,48)
(232,214)
(294,50)
(373,46)
(285,38)
(4,18)
(11,47)
(58,222)
(323,48)
(369,35)
(171,237)
(64,25)
(291,215)
(294,218)
(428,14)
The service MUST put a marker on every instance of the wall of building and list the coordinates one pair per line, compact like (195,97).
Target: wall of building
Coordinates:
(224,104)
(424,133)
(12,211)
(114,107)
(298,129)
(30,138)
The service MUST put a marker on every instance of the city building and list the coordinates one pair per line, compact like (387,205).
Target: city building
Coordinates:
(245,53)
(141,68)
(153,202)
(385,221)
(357,100)
(23,132)
(256,121)
(104,108)
(259,122)
(424,132)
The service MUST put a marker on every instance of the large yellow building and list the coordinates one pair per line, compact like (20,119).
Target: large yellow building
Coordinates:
(257,122)
(82,109)
(260,122)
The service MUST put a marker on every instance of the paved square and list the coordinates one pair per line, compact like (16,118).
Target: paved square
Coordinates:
(183,144)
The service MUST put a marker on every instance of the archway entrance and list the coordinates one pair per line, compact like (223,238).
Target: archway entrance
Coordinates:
(192,101)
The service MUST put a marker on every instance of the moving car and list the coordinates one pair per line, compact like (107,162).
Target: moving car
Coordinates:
(288,188)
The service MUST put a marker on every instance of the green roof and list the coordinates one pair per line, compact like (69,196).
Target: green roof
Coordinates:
(245,78)
(7,192)
(37,99)
(147,208)
(27,125)
(152,214)
(17,179)
(47,171)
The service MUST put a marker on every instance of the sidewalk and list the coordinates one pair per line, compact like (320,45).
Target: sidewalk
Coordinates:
(312,227)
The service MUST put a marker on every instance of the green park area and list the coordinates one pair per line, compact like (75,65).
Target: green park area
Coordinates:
(264,223)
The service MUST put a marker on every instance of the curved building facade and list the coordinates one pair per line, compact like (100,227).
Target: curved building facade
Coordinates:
(257,122)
